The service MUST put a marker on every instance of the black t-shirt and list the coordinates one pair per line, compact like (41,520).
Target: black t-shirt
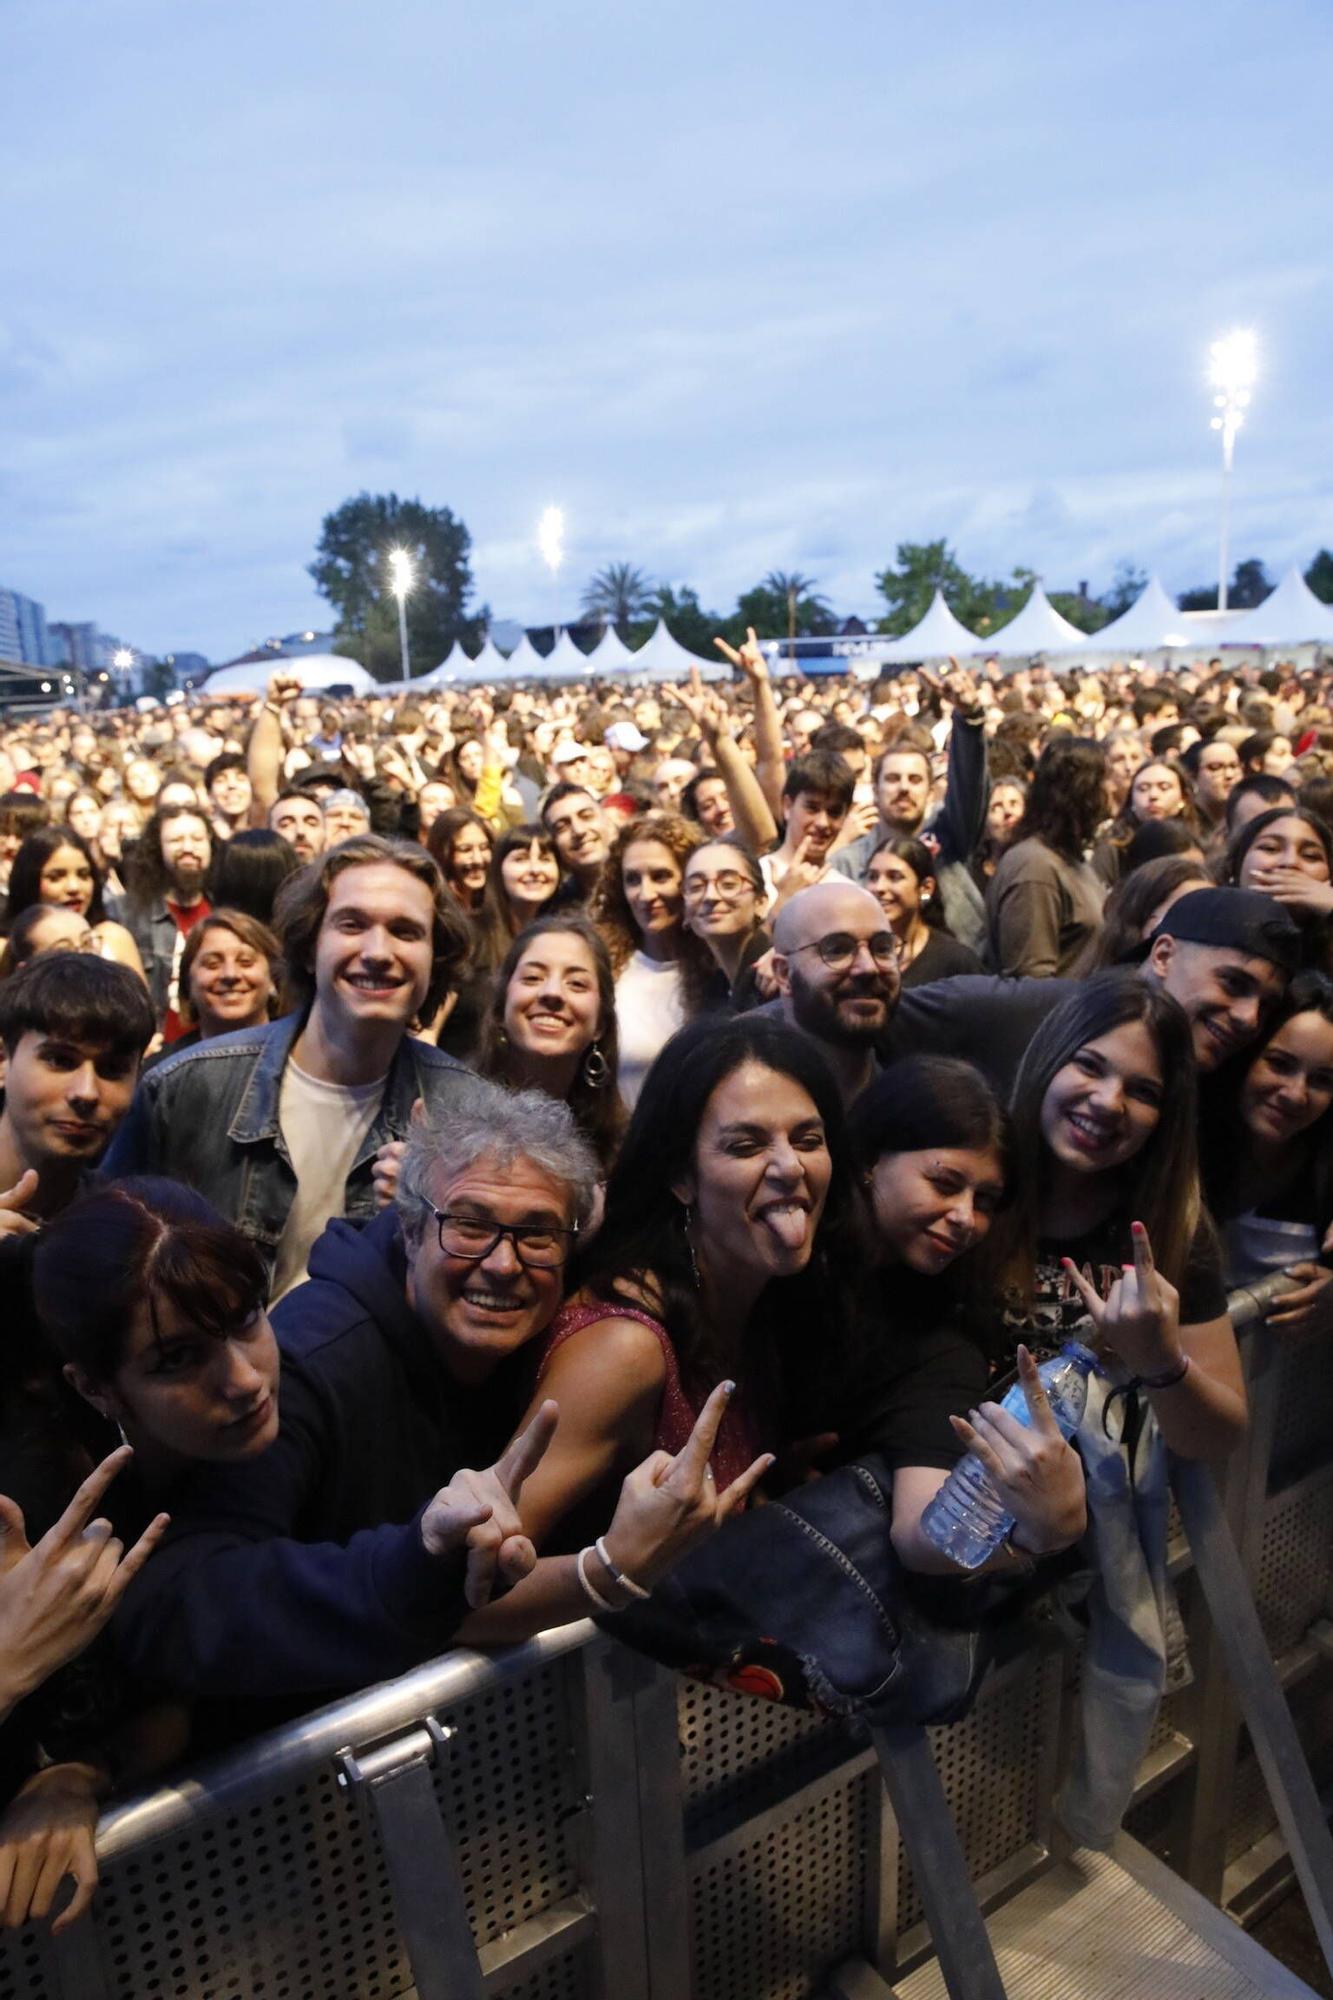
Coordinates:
(920,1369)
(1056,1309)
(941,957)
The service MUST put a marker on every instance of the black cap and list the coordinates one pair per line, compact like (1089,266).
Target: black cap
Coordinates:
(1237,920)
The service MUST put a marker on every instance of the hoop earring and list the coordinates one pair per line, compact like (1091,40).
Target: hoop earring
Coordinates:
(596,1069)
(689,1245)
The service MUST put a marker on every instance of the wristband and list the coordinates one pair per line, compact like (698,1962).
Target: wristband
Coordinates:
(1169,1378)
(618,1576)
(590,1590)
(1025,1559)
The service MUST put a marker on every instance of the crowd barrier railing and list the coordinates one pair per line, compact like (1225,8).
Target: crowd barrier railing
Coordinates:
(566,1821)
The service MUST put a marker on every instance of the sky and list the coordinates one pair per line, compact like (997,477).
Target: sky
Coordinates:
(741,287)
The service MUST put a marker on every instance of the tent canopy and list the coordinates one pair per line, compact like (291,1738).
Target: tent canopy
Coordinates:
(936,636)
(1290,616)
(1038,628)
(565,661)
(610,655)
(663,658)
(1151,622)
(313,670)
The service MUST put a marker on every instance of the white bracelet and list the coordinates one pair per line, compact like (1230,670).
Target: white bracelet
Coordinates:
(590,1590)
(618,1576)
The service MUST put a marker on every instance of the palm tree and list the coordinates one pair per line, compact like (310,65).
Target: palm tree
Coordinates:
(798,593)
(619,595)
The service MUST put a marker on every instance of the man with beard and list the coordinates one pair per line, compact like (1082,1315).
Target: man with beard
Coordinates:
(836,963)
(165,899)
(297,818)
(577,826)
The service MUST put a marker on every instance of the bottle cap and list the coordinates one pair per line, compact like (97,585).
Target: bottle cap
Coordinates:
(1085,1357)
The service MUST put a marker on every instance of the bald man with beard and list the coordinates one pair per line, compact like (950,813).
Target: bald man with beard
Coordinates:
(836,963)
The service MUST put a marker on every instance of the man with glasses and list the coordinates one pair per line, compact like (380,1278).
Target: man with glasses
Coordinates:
(836,963)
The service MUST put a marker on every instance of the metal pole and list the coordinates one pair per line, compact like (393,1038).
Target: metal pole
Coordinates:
(1224,553)
(402,634)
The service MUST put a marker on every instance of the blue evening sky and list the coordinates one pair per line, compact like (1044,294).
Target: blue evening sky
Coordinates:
(741,286)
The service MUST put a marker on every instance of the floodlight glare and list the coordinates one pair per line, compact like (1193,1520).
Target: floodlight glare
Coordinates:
(1233,365)
(551,538)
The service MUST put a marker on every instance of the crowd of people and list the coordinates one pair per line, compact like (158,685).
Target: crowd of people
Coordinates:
(458,1149)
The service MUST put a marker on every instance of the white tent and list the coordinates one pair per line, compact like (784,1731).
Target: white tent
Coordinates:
(456,665)
(565,662)
(525,663)
(1151,622)
(610,655)
(1291,616)
(490,665)
(1038,628)
(313,670)
(663,658)
(936,636)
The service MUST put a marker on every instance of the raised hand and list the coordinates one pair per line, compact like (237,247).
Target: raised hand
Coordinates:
(56,1597)
(1308,1309)
(13,1221)
(747,659)
(669,1504)
(480,1509)
(1139,1320)
(1037,1475)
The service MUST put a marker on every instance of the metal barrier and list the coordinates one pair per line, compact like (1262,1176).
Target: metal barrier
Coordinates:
(565,1821)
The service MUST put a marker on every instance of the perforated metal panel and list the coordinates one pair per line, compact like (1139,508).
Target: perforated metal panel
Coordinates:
(563,1979)
(1252,1814)
(1303,1433)
(289,1899)
(738,1752)
(1295,1565)
(23,1963)
(774,1916)
(990,1766)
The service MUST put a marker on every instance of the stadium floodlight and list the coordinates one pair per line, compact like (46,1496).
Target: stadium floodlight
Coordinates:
(402,575)
(1233,365)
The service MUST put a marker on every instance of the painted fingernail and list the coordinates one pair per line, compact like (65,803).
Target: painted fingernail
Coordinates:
(729,1388)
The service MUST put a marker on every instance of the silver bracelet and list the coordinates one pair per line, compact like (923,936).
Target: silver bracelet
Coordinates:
(590,1590)
(618,1576)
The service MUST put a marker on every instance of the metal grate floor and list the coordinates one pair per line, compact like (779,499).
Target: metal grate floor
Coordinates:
(1119,1927)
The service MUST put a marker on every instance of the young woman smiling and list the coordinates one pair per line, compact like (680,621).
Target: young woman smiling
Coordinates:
(1288,854)
(1268,1161)
(662,969)
(523,877)
(551,1026)
(724,900)
(55,866)
(1106,1170)
(900,875)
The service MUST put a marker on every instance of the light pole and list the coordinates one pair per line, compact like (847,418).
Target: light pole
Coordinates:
(401,577)
(551,542)
(1233,365)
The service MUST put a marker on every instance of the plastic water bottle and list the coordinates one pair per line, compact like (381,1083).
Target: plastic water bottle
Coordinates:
(967,1520)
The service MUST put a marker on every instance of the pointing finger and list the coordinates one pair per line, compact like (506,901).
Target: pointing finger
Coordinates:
(81,1508)
(1086,1291)
(528,1450)
(692,1459)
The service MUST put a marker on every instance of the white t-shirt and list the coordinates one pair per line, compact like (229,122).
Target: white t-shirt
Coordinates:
(649,1008)
(324,1126)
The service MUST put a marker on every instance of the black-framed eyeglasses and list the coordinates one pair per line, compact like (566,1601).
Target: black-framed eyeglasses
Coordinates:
(838,950)
(540,1246)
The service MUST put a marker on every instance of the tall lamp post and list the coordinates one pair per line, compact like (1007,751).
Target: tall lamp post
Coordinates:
(402,575)
(1233,364)
(551,542)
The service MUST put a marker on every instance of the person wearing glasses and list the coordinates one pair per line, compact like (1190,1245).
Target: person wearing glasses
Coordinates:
(359,1541)
(724,905)
(836,963)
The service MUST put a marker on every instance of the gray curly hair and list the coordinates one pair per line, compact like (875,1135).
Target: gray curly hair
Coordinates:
(480,1120)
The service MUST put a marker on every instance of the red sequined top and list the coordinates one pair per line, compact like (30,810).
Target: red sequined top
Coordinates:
(737,1445)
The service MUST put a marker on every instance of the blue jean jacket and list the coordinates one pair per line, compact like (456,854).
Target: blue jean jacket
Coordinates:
(209,1117)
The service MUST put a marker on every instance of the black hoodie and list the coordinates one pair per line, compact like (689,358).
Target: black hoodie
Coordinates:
(303,1572)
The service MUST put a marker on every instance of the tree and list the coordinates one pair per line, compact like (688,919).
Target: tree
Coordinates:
(925,567)
(685,617)
(618,595)
(1319,576)
(351,571)
(1127,586)
(770,606)
(1088,613)
(1250,585)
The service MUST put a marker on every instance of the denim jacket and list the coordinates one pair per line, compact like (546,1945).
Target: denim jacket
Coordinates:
(209,1117)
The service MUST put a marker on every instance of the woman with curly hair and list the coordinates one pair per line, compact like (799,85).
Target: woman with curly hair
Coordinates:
(663,971)
(1044,901)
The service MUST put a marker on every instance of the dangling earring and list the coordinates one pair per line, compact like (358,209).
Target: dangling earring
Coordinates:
(596,1069)
(689,1245)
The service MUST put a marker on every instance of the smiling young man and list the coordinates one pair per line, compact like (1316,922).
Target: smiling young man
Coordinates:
(74,1028)
(816,798)
(279,1126)
(576,824)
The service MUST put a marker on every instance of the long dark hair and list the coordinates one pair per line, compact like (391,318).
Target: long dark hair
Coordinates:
(250,869)
(1243,840)
(918,857)
(1162,1180)
(610,910)
(1120,940)
(1224,1149)
(496,914)
(1066,799)
(923,1101)
(642,1248)
(25,877)
(146,874)
(600,1112)
(133,1241)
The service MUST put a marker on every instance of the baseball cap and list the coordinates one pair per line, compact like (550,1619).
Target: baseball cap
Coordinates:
(626,736)
(568,752)
(1238,920)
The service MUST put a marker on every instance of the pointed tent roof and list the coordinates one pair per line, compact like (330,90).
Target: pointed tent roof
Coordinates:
(566,661)
(1151,622)
(313,670)
(455,666)
(1290,616)
(525,663)
(610,655)
(663,658)
(489,665)
(935,636)
(1038,628)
